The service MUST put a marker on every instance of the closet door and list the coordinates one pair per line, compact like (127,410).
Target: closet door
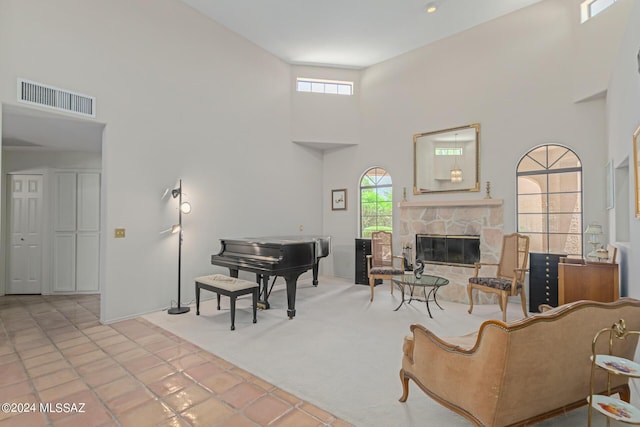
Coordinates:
(76,241)
(88,232)
(64,228)
(88,201)
(64,210)
(64,262)
(87,262)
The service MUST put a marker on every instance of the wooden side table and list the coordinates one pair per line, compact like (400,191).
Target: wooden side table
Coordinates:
(585,280)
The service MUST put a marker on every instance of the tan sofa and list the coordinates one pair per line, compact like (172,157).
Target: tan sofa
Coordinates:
(519,372)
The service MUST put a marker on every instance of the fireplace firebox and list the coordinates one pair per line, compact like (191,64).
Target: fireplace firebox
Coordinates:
(448,250)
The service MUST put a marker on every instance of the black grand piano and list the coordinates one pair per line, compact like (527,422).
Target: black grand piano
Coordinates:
(285,256)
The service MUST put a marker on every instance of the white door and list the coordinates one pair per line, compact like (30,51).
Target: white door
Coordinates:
(64,227)
(25,231)
(76,226)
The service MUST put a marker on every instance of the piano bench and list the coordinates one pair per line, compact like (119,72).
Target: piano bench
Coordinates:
(229,286)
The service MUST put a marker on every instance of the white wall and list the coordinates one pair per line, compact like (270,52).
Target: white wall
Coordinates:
(593,55)
(182,97)
(513,75)
(21,160)
(623,118)
(333,119)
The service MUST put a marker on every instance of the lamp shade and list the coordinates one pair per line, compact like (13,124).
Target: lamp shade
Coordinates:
(593,228)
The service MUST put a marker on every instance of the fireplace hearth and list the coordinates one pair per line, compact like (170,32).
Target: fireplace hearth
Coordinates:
(448,250)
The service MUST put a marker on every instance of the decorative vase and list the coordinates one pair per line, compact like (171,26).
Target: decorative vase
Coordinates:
(406,254)
(419,268)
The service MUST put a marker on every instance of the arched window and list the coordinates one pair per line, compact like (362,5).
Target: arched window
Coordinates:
(376,203)
(549,205)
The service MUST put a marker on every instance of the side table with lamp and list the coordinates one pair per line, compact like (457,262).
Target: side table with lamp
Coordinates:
(595,278)
(594,230)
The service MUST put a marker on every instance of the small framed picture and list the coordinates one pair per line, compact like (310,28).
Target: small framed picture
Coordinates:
(339,199)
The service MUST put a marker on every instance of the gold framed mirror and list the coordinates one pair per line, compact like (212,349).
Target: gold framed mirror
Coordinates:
(636,168)
(447,160)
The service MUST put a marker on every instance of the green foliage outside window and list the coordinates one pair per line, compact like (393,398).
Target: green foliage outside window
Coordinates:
(376,202)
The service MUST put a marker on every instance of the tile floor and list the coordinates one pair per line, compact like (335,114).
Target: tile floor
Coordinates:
(60,367)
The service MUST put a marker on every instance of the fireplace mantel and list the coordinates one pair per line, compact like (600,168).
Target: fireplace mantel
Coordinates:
(450,203)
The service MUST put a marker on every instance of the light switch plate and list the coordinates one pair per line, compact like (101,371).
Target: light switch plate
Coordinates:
(119,233)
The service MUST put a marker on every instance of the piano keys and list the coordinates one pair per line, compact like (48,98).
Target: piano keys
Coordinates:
(284,256)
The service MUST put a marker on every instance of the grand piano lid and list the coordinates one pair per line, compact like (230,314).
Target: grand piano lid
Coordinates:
(301,238)
(282,239)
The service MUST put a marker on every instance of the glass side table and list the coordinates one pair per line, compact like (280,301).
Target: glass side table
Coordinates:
(425,281)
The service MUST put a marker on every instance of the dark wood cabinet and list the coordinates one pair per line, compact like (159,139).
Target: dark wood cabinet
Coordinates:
(363,248)
(543,279)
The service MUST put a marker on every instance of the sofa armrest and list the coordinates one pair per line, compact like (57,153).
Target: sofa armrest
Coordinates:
(474,363)
(407,347)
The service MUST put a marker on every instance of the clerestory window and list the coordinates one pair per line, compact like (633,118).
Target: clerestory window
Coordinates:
(335,87)
(590,8)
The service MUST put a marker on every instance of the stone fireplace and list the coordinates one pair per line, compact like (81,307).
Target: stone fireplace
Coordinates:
(483,218)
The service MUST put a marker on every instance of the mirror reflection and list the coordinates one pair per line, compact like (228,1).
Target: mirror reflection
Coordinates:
(446,160)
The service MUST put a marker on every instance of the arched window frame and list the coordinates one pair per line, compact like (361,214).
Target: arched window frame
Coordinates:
(550,214)
(376,201)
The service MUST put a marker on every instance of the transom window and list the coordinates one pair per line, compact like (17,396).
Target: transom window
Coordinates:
(590,8)
(334,87)
(549,205)
(376,203)
(452,151)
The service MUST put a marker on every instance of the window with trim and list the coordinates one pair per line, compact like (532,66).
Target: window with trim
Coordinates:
(376,203)
(335,87)
(590,8)
(549,200)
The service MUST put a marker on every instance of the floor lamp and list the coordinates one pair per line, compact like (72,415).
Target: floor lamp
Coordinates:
(177,228)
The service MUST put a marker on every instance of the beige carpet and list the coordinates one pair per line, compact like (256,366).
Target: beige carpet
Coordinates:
(341,352)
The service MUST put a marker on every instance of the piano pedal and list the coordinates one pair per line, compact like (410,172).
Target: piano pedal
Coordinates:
(262,305)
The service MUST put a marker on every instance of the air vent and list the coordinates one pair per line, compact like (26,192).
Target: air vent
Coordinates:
(58,99)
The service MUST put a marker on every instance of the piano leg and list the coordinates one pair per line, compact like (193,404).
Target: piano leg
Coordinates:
(264,279)
(291,280)
(315,272)
(264,303)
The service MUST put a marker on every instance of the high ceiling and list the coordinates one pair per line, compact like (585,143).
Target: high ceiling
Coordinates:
(349,33)
(338,33)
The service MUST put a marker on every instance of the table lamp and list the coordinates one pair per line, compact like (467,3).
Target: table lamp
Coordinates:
(594,230)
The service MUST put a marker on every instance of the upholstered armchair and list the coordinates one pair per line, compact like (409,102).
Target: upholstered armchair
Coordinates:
(510,272)
(382,263)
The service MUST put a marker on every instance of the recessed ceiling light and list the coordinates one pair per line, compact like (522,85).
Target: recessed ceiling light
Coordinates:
(432,7)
